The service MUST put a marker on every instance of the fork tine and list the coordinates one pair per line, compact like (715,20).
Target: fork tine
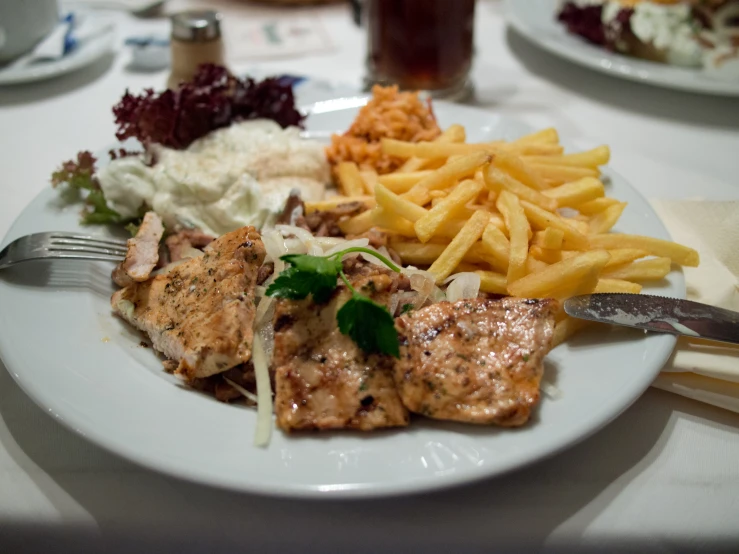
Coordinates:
(85,256)
(90,249)
(75,236)
(88,243)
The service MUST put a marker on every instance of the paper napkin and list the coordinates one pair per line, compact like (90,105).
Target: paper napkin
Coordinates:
(705,371)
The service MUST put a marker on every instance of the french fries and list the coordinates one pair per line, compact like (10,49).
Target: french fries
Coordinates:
(429,223)
(350,181)
(576,193)
(605,220)
(498,181)
(652,269)
(620,256)
(369,180)
(492,282)
(541,219)
(448,174)
(519,229)
(591,158)
(402,182)
(549,238)
(678,253)
(454,133)
(497,246)
(334,202)
(559,277)
(564,329)
(562,173)
(458,247)
(527,218)
(516,168)
(398,205)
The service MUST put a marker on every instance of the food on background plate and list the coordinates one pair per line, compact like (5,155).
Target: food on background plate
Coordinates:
(382,300)
(701,34)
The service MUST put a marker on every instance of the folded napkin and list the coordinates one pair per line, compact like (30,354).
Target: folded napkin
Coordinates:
(699,369)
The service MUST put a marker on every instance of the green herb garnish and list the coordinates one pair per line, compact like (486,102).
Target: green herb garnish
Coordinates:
(368,323)
(406,308)
(79,175)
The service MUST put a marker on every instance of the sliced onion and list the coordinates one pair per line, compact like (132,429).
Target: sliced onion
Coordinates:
(264,393)
(375,260)
(299,232)
(259,291)
(296,246)
(267,332)
(462,286)
(190,252)
(423,284)
(326,243)
(394,299)
(249,395)
(126,307)
(274,244)
(295,214)
(265,310)
(437,295)
(407,297)
(364,242)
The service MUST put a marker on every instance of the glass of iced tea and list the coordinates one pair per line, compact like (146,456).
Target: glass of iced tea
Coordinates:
(420,44)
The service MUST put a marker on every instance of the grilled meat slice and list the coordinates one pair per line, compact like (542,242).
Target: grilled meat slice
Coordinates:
(475,361)
(178,243)
(322,379)
(143,252)
(201,313)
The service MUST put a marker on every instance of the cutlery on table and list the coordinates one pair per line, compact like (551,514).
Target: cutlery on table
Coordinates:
(657,313)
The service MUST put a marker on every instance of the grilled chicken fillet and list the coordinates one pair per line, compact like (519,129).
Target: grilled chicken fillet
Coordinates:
(143,252)
(322,379)
(474,361)
(201,313)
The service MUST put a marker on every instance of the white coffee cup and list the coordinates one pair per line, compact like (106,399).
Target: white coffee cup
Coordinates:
(23,23)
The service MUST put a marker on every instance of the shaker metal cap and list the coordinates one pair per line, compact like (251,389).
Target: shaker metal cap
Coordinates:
(196,25)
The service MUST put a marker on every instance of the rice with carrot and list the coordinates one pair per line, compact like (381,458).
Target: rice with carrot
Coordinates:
(389,114)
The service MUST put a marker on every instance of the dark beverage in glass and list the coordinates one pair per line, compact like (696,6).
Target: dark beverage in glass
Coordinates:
(420,44)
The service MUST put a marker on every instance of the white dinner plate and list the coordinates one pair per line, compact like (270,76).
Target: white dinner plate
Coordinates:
(537,21)
(85,367)
(86,53)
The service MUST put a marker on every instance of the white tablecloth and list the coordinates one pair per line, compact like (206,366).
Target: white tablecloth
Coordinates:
(663,475)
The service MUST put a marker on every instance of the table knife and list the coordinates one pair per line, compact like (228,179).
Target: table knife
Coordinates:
(657,313)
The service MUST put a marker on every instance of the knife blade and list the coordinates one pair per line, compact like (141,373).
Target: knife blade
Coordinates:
(657,313)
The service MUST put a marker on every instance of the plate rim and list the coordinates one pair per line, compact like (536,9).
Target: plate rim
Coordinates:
(339,491)
(618,65)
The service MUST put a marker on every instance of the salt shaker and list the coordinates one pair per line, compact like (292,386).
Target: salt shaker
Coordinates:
(196,39)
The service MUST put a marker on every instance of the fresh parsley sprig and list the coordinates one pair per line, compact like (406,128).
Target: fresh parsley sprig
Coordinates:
(368,323)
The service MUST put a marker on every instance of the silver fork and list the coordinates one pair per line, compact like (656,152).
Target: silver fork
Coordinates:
(59,245)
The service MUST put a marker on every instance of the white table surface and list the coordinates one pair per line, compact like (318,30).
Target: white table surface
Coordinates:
(664,475)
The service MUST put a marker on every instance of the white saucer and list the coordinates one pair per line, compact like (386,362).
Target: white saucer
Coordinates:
(85,54)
